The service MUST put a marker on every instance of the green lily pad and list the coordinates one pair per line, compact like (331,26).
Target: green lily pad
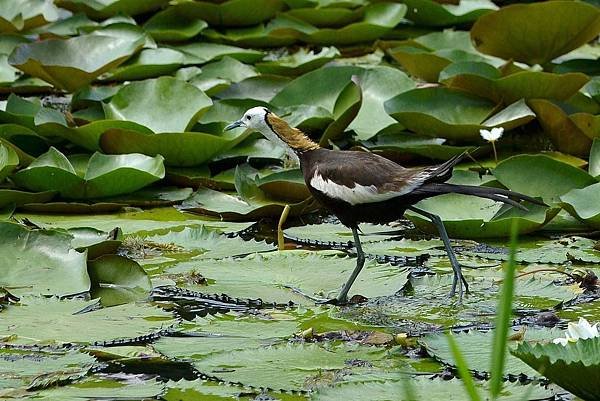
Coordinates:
(276,276)
(479,217)
(536,33)
(425,388)
(219,75)
(232,12)
(396,145)
(178,149)
(32,321)
(432,13)
(541,176)
(88,136)
(288,367)
(60,62)
(23,15)
(297,63)
(285,184)
(105,175)
(574,367)
(22,370)
(326,232)
(109,8)
(9,160)
(453,114)
(472,343)
(562,129)
(164,104)
(97,387)
(594,168)
(328,15)
(148,63)
(19,198)
(117,280)
(203,52)
(32,115)
(173,24)
(583,203)
(483,80)
(205,243)
(378,84)
(41,262)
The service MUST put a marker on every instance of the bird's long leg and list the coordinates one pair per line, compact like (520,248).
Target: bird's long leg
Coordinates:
(342,298)
(458,279)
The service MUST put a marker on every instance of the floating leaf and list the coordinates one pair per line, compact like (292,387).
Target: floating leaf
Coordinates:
(574,367)
(19,198)
(149,63)
(453,114)
(297,63)
(541,176)
(105,175)
(60,62)
(536,33)
(97,387)
(219,75)
(561,128)
(178,149)
(432,13)
(233,12)
(117,280)
(210,244)
(202,52)
(285,184)
(109,8)
(88,135)
(34,321)
(472,217)
(164,104)
(286,367)
(41,262)
(483,80)
(23,15)
(9,160)
(275,276)
(583,203)
(173,24)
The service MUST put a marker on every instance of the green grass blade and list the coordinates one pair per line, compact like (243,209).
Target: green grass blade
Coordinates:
(463,369)
(503,317)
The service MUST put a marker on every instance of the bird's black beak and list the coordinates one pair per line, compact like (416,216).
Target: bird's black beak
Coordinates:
(233,125)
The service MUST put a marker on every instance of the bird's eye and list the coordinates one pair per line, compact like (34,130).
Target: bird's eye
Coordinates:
(247,117)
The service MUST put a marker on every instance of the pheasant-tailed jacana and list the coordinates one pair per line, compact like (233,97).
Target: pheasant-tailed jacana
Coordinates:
(361,187)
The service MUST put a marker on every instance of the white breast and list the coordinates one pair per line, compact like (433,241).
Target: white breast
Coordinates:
(354,196)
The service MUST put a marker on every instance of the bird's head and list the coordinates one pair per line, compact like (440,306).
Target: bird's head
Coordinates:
(273,128)
(254,118)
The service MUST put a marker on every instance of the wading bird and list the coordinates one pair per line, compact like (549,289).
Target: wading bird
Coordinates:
(361,187)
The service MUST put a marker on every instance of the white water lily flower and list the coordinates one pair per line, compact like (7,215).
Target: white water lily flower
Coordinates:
(492,135)
(581,330)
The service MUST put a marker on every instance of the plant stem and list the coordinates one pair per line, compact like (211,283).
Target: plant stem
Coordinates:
(495,154)
(282,219)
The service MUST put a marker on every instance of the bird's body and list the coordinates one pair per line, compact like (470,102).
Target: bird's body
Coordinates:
(362,187)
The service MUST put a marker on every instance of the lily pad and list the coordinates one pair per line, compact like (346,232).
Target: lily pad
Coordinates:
(149,63)
(19,198)
(41,262)
(574,367)
(276,276)
(541,176)
(105,175)
(219,75)
(536,33)
(209,244)
(583,203)
(483,80)
(479,217)
(297,63)
(164,104)
(203,52)
(32,321)
(31,114)
(73,63)
(95,387)
(117,280)
(23,15)
(9,160)
(178,148)
(88,136)
(232,12)
(173,24)
(562,129)
(285,184)
(110,8)
(432,13)
(453,114)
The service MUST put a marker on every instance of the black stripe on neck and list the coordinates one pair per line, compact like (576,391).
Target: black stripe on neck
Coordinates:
(267,112)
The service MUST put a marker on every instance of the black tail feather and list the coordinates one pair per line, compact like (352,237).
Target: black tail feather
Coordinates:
(496,194)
